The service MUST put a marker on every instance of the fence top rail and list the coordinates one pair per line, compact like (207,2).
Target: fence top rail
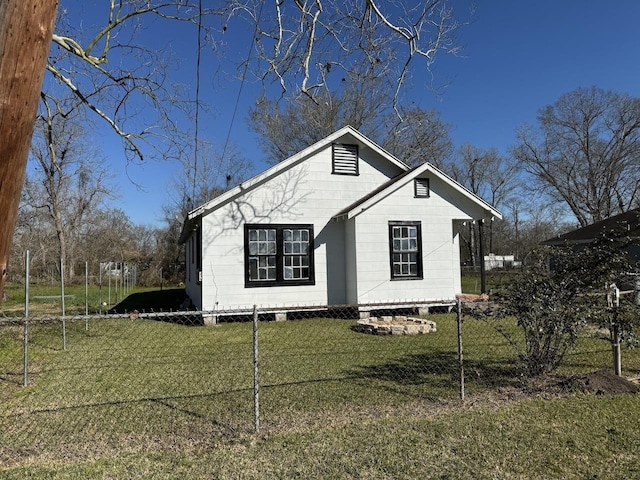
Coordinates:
(324,307)
(134,314)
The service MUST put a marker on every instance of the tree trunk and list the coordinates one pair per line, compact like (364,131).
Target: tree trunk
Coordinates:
(62,239)
(26,28)
(472,245)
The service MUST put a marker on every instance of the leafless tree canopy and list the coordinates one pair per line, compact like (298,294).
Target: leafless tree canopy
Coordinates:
(69,182)
(415,137)
(303,45)
(492,177)
(585,152)
(418,136)
(486,173)
(309,44)
(123,79)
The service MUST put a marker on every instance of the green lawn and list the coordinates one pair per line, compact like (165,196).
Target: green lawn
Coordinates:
(144,398)
(495,280)
(47,299)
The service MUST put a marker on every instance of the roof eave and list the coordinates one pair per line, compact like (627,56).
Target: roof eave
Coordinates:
(490,211)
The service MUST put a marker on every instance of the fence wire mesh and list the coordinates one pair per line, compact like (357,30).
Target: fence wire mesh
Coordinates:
(141,382)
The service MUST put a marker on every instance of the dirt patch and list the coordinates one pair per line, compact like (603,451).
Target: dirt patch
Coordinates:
(601,382)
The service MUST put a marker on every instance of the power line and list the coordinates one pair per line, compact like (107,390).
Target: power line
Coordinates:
(242,80)
(197,113)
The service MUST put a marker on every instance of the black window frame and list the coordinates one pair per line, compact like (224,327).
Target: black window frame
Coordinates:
(280,255)
(199,248)
(334,171)
(418,252)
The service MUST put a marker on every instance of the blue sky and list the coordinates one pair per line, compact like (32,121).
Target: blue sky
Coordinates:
(518,56)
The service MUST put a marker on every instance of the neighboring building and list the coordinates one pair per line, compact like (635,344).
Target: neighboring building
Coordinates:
(341,222)
(627,223)
(499,262)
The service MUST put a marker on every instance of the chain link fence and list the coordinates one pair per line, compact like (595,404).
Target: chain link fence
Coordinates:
(88,386)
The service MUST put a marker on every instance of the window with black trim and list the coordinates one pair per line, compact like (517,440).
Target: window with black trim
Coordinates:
(421,188)
(344,159)
(405,245)
(278,255)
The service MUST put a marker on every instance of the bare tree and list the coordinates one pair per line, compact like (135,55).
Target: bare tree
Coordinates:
(33,232)
(490,176)
(526,223)
(111,236)
(126,83)
(418,136)
(415,137)
(69,182)
(218,169)
(307,43)
(585,152)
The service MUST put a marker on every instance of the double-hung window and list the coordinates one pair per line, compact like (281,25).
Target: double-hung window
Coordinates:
(405,245)
(278,255)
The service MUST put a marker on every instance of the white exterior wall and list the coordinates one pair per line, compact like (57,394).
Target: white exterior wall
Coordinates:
(305,194)
(351,262)
(440,245)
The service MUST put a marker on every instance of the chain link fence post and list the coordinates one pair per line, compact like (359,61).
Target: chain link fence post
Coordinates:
(460,351)
(86,296)
(64,322)
(256,383)
(25,371)
(613,302)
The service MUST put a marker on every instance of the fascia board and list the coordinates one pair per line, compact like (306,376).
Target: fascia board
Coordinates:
(491,211)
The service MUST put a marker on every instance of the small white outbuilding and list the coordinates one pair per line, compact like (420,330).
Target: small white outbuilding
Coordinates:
(342,222)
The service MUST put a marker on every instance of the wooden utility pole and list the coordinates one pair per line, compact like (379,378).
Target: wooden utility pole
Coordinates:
(26,28)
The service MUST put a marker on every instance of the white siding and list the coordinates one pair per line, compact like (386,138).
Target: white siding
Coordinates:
(440,246)
(351,256)
(351,262)
(306,193)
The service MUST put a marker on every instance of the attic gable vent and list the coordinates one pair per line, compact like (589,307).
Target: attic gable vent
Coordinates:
(421,187)
(345,159)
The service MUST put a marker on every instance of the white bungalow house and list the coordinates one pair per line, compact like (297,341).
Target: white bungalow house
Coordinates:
(342,222)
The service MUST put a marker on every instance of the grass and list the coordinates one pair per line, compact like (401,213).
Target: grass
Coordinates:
(150,399)
(574,438)
(45,300)
(495,280)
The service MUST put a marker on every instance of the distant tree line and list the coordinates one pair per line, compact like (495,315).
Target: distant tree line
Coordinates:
(586,142)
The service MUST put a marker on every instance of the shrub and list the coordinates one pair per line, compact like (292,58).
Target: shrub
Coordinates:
(560,292)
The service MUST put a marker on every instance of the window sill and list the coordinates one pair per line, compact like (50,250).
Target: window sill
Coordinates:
(289,283)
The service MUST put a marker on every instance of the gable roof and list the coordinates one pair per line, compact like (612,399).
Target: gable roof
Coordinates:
(398,181)
(627,222)
(281,167)
(278,168)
